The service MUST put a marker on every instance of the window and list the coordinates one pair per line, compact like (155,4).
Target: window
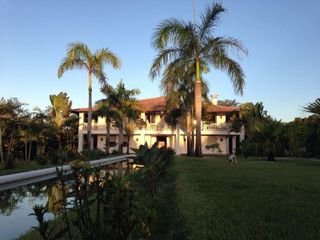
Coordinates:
(151,117)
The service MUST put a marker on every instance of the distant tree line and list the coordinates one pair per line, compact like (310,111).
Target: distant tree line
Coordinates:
(268,137)
(36,135)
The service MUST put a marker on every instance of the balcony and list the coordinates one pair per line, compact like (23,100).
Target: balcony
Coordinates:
(97,127)
(213,127)
(154,128)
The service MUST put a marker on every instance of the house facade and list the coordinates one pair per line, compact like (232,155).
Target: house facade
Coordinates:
(157,130)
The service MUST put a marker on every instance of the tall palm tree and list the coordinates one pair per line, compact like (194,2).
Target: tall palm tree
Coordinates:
(79,56)
(178,87)
(179,43)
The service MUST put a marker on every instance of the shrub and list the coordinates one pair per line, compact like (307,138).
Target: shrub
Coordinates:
(215,147)
(155,162)
(94,154)
(53,157)
(41,159)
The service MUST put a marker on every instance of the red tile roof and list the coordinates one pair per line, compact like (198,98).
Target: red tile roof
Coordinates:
(157,104)
(152,104)
(222,109)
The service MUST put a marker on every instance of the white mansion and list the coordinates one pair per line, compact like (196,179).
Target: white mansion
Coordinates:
(157,130)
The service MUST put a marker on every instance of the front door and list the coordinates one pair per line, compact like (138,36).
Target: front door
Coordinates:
(162,141)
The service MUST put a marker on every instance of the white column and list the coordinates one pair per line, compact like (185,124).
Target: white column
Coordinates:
(143,139)
(234,143)
(177,141)
(80,141)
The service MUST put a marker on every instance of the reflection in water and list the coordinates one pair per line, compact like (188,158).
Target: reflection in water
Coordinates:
(56,198)
(16,204)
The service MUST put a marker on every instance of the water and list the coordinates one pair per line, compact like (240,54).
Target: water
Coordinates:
(16,205)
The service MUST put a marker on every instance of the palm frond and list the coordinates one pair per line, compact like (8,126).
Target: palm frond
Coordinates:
(163,57)
(78,50)
(106,56)
(313,107)
(210,19)
(171,31)
(221,61)
(70,64)
(211,44)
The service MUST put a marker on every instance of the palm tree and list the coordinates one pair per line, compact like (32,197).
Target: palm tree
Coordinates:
(177,85)
(79,56)
(179,43)
(313,107)
(123,101)
(105,109)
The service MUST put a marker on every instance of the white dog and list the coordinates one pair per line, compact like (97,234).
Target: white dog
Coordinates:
(232,158)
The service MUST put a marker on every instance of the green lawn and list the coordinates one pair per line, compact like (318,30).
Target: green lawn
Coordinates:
(254,199)
(22,166)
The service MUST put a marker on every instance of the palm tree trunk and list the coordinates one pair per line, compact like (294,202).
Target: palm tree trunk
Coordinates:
(189,139)
(89,126)
(128,147)
(198,106)
(108,137)
(25,148)
(30,147)
(120,148)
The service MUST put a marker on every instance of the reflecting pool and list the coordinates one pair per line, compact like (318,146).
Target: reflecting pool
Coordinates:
(16,205)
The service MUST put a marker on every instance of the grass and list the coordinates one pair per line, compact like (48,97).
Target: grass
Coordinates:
(254,199)
(22,166)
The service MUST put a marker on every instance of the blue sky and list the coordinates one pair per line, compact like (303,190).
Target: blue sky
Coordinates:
(283,38)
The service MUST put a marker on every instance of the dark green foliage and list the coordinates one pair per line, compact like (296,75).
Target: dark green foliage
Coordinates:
(53,157)
(267,137)
(93,154)
(41,159)
(46,232)
(228,102)
(247,148)
(154,161)
(313,107)
(173,116)
(103,205)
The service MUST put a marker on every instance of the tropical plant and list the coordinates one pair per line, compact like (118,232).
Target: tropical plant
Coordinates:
(313,107)
(43,228)
(61,107)
(131,124)
(79,56)
(124,103)
(179,43)
(105,109)
(269,138)
(154,161)
(103,205)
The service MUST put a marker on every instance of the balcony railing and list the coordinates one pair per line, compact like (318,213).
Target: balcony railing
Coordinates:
(159,128)
(215,127)
(98,127)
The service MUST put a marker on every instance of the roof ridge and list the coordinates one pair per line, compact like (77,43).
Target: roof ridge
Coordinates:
(151,98)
